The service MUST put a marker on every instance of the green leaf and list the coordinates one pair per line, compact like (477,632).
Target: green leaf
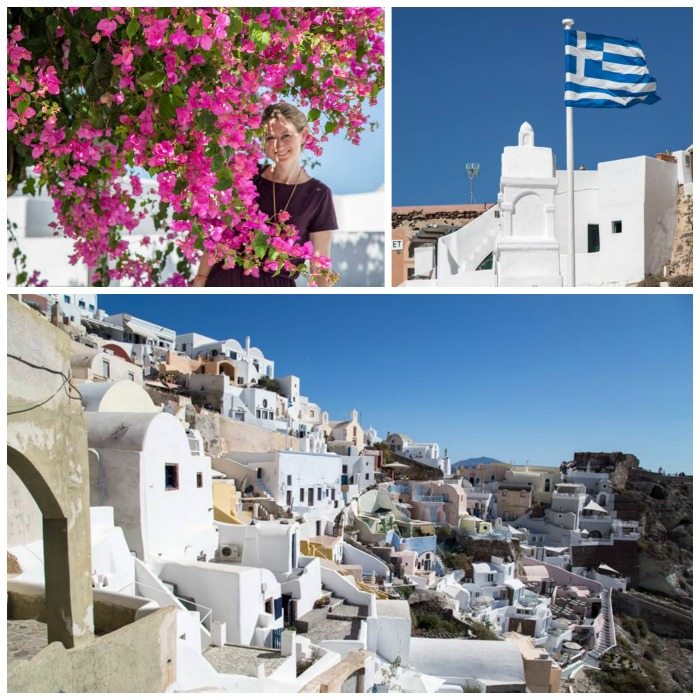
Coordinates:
(152,79)
(132,28)
(225,179)
(314,114)
(166,109)
(23,104)
(330,126)
(52,24)
(21,278)
(260,245)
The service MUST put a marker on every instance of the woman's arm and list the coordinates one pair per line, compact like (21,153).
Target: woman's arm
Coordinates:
(321,241)
(203,270)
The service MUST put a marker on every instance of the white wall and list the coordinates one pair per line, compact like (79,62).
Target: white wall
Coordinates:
(233,593)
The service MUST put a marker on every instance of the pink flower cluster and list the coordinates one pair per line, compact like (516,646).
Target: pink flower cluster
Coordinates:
(183,103)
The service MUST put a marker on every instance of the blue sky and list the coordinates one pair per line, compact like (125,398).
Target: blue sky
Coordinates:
(516,377)
(464,79)
(349,169)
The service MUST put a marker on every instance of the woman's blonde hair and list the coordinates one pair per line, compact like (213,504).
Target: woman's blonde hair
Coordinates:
(289,112)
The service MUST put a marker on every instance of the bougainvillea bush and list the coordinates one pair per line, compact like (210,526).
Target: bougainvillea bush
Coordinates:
(99,96)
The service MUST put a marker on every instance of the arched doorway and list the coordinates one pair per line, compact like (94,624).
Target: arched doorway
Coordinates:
(62,599)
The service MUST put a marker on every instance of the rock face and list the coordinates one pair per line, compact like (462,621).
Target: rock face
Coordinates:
(666,522)
(682,252)
(617,464)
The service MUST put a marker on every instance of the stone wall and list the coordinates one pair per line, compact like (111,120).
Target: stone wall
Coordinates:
(221,435)
(682,253)
(663,620)
(622,555)
(137,658)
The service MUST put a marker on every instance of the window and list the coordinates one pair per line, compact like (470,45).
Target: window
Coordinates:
(289,498)
(489,578)
(172,482)
(200,480)
(345,468)
(617,226)
(81,304)
(593,238)
(264,403)
(366,477)
(105,368)
(411,271)
(91,307)
(240,380)
(66,299)
(301,495)
(183,347)
(258,413)
(486,263)
(319,496)
(289,479)
(132,377)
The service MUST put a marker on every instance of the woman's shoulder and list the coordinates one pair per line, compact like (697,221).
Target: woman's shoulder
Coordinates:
(319,186)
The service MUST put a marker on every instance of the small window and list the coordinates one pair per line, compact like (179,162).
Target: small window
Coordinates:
(301,495)
(411,271)
(264,403)
(240,380)
(345,468)
(319,497)
(200,480)
(289,479)
(81,304)
(171,477)
(258,413)
(132,377)
(617,226)
(593,238)
(105,368)
(486,263)
(66,299)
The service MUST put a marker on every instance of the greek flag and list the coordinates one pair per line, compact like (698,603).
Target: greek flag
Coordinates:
(604,71)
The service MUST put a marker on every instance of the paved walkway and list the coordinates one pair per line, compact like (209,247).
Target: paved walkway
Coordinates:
(25,639)
(243,661)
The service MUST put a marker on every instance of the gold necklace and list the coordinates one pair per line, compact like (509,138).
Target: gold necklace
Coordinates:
(274,196)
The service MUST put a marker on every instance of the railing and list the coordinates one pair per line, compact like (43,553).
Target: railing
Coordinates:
(186,603)
(277,638)
(430,499)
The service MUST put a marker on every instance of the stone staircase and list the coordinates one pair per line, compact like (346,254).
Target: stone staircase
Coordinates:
(336,620)
(606,638)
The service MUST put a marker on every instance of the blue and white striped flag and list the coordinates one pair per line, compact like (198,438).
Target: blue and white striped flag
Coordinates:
(604,71)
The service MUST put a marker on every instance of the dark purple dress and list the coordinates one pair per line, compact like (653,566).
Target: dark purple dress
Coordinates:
(310,209)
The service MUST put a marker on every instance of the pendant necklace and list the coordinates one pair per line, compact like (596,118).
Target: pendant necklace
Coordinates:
(274,196)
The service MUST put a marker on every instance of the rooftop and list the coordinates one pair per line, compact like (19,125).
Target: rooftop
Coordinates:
(243,661)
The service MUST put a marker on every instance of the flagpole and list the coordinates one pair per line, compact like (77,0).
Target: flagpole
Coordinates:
(568,23)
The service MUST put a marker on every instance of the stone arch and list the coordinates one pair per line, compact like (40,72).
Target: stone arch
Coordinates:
(47,450)
(332,680)
(57,580)
(529,217)
(228,368)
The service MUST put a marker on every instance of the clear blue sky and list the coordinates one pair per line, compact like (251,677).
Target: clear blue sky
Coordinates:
(464,79)
(516,377)
(349,169)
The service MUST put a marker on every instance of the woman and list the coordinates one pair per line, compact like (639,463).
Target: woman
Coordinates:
(283,186)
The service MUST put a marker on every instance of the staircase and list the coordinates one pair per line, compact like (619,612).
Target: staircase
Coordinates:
(336,620)
(606,638)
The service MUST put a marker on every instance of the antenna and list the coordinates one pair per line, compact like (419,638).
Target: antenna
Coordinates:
(472,173)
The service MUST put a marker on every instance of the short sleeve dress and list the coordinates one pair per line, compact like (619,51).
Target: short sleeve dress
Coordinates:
(310,210)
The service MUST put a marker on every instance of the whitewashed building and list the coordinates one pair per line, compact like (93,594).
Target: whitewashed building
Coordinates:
(624,223)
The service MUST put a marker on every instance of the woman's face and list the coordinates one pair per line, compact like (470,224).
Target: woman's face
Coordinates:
(283,143)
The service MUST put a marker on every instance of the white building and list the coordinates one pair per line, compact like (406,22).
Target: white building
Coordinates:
(624,223)
(357,252)
(427,453)
(249,361)
(309,484)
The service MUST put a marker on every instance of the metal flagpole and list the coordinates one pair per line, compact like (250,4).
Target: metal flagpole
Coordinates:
(568,23)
